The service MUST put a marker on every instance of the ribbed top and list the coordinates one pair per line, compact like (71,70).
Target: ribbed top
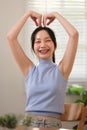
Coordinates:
(45,89)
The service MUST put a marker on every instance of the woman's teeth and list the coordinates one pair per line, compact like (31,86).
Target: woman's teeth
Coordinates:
(43,51)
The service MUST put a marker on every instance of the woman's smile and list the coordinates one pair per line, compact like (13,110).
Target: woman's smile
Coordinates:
(43,51)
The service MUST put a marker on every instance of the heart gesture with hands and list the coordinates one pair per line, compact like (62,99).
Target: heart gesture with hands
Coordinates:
(47,19)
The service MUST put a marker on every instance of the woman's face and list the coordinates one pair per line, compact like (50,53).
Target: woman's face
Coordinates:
(43,45)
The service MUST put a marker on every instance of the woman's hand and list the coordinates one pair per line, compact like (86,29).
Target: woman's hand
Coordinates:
(49,18)
(36,17)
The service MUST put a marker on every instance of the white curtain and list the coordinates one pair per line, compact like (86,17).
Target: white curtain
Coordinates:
(75,12)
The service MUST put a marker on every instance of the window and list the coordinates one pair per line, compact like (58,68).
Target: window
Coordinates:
(75,12)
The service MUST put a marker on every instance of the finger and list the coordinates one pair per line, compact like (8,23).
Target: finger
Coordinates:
(40,21)
(35,21)
(49,21)
(44,21)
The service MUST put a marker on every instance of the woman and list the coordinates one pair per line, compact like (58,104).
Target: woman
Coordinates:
(46,82)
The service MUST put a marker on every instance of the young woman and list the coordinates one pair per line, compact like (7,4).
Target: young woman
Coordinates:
(46,82)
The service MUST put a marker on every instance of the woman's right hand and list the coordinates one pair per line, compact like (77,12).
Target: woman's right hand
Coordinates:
(36,17)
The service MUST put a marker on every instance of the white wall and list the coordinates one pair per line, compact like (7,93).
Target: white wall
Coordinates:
(12,88)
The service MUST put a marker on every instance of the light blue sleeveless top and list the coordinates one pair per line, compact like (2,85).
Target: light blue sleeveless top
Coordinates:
(45,89)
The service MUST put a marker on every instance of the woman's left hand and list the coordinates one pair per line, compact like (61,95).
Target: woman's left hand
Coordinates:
(49,18)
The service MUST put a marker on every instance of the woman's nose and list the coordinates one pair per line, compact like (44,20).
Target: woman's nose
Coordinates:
(42,44)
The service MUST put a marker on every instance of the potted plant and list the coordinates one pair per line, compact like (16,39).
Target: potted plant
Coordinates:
(24,121)
(27,120)
(8,121)
(83,100)
(2,122)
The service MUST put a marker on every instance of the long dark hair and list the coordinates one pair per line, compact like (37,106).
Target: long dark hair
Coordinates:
(51,34)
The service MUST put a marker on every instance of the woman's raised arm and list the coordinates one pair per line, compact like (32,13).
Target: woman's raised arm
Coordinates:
(23,61)
(68,59)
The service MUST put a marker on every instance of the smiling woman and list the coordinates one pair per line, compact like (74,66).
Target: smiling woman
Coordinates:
(49,79)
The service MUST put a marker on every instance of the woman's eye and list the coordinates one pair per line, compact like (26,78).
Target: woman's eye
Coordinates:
(37,41)
(48,40)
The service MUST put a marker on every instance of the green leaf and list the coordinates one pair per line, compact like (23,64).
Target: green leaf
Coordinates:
(27,120)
